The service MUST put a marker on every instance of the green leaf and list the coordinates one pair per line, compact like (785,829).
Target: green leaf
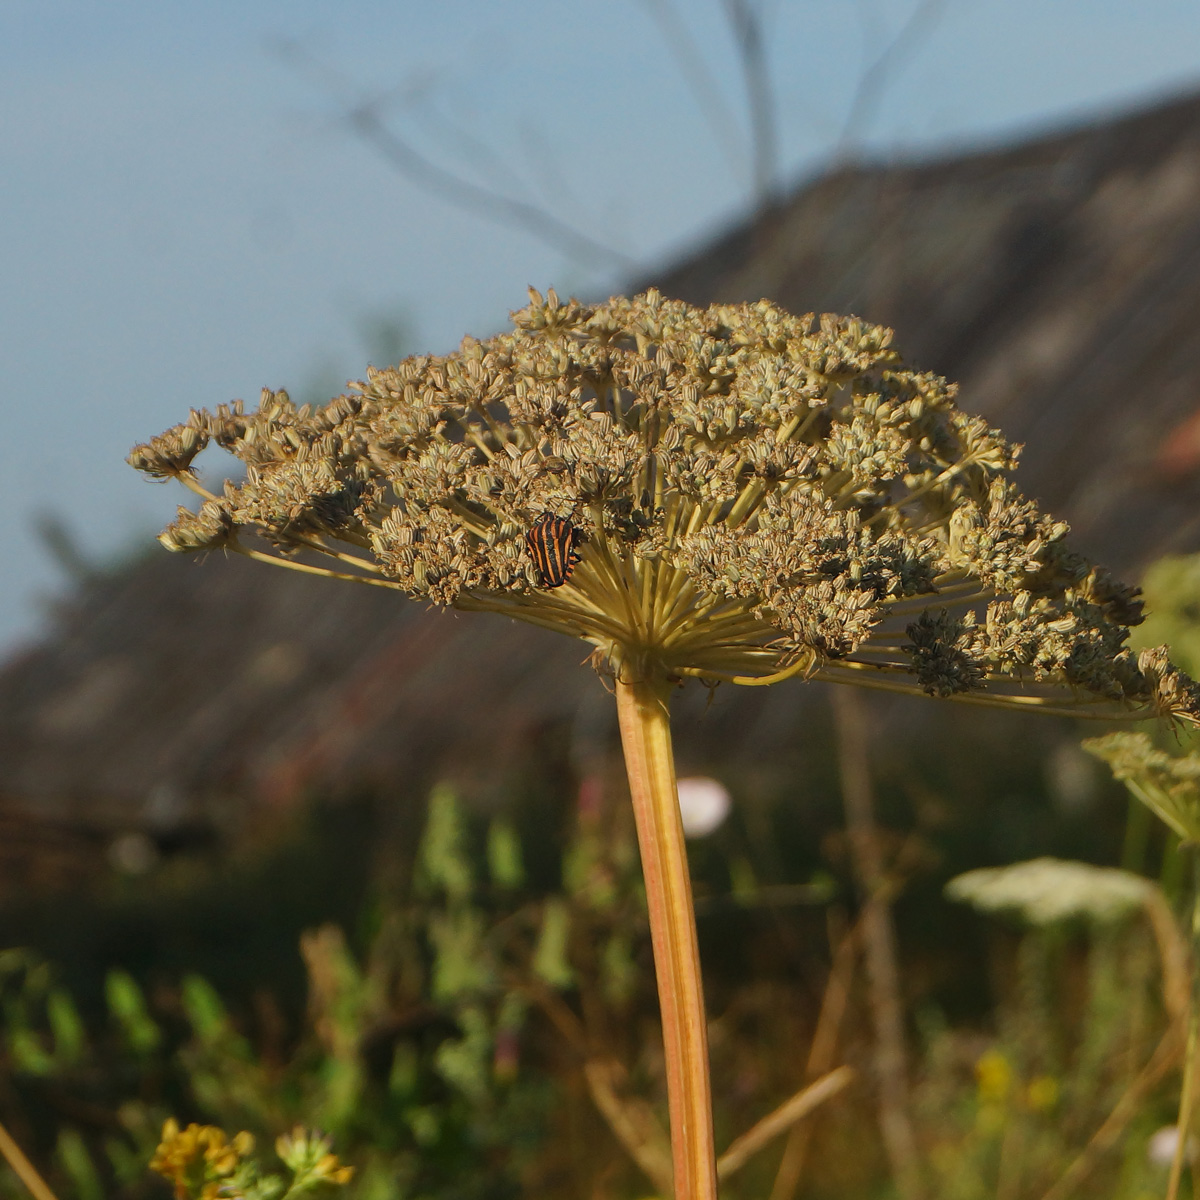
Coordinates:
(504,856)
(464,1062)
(77,1162)
(206,1012)
(28,1052)
(550,958)
(70,1041)
(443,860)
(461,965)
(128,1006)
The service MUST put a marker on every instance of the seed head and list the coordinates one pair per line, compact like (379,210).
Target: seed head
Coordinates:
(752,495)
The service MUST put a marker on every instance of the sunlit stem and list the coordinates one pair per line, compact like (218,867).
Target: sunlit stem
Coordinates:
(22,1168)
(646,738)
(306,569)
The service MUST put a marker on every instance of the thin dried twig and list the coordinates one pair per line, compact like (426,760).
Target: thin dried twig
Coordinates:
(22,1168)
(879,943)
(703,84)
(632,1120)
(746,21)
(1173,954)
(783,1118)
(877,74)
(834,1003)
(364,119)
(1162,1061)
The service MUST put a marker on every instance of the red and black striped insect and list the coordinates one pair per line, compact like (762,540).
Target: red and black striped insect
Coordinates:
(552,543)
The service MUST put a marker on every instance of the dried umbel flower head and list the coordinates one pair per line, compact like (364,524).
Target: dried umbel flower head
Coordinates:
(749,494)
(731,494)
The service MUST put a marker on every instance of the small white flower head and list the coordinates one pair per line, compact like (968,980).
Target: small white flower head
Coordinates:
(1164,1142)
(704,804)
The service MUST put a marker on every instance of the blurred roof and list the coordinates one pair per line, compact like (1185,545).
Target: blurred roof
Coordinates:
(1058,281)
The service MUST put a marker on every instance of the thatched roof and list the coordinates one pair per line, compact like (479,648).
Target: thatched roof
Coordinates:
(1058,281)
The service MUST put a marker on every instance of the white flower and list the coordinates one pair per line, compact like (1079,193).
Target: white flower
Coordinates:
(704,804)
(1045,890)
(1160,1150)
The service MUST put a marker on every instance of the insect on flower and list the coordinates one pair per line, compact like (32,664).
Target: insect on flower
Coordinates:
(552,542)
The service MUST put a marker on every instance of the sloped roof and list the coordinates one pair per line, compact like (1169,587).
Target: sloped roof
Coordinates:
(1058,281)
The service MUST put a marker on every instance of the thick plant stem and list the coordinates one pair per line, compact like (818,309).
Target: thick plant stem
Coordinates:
(646,738)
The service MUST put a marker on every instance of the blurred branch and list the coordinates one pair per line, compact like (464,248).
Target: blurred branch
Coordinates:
(56,536)
(879,939)
(364,118)
(877,74)
(1173,954)
(780,895)
(631,1119)
(745,19)
(699,79)
(821,1052)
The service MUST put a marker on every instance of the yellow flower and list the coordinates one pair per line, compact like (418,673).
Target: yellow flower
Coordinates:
(994,1075)
(198,1157)
(1042,1093)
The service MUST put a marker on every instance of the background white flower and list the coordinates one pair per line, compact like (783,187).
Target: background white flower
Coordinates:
(704,804)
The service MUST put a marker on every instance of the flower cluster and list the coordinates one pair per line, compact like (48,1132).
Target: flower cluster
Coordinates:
(200,1160)
(310,1160)
(204,1163)
(751,494)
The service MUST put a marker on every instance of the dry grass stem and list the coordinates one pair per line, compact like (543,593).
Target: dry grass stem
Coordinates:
(23,1169)
(632,1120)
(879,943)
(834,1003)
(782,1119)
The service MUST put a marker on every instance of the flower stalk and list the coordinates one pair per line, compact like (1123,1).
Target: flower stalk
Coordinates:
(646,738)
(739,495)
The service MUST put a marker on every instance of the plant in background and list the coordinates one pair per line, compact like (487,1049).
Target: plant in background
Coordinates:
(414,1055)
(750,496)
(1064,1089)
(204,1163)
(417,1054)
(1167,783)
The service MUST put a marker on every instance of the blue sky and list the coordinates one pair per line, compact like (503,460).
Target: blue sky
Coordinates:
(187,218)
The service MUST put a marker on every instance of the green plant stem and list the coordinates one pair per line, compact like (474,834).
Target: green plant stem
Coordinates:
(646,738)
(1183,1124)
